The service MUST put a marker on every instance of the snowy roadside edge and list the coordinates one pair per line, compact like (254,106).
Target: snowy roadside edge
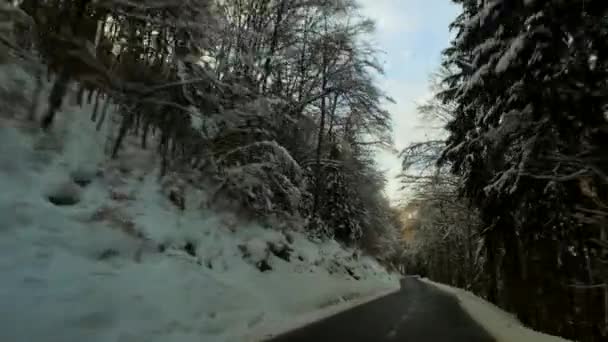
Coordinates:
(274,329)
(503,326)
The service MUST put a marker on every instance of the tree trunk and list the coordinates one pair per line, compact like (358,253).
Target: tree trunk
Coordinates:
(273,44)
(491,266)
(317,189)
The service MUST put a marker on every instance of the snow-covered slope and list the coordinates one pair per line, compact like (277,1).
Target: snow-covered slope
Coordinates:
(120,262)
(504,327)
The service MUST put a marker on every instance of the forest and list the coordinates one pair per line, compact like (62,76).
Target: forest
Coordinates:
(276,102)
(512,201)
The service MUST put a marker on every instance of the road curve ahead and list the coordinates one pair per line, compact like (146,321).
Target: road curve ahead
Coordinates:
(417,313)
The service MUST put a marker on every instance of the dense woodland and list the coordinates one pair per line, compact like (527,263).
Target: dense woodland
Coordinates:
(523,95)
(276,102)
(273,100)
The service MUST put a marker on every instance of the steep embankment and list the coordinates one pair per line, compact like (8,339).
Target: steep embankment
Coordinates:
(93,249)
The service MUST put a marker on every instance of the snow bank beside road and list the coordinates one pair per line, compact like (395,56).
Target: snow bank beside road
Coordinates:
(117,261)
(503,326)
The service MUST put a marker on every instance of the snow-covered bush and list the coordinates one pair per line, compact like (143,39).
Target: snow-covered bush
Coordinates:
(64,194)
(263,177)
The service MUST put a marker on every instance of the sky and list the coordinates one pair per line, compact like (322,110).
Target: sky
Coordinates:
(411,34)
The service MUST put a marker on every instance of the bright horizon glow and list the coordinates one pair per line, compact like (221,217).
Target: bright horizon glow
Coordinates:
(412,33)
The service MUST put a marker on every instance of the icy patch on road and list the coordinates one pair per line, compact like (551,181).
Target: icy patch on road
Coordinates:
(503,326)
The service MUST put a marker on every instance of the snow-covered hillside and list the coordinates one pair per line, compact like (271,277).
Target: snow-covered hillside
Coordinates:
(115,260)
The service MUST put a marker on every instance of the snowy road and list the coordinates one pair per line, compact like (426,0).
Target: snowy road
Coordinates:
(417,313)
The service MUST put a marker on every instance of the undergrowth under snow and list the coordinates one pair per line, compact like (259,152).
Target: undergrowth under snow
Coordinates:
(124,264)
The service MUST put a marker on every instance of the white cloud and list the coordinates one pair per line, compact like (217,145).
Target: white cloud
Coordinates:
(389,15)
(412,32)
(407,53)
(406,121)
(407,127)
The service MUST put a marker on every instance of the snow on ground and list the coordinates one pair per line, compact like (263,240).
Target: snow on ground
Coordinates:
(503,326)
(119,261)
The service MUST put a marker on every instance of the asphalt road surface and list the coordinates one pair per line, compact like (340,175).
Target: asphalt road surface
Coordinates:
(417,313)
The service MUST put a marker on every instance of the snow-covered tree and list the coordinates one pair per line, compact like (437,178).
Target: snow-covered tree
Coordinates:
(275,100)
(445,229)
(526,140)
